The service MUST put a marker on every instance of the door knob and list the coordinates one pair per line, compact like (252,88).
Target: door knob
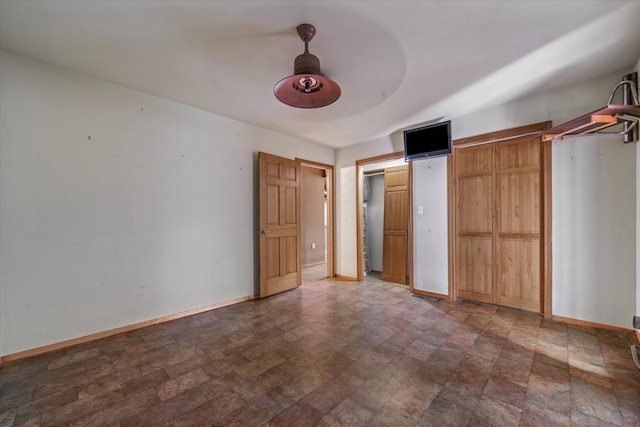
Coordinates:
(263,231)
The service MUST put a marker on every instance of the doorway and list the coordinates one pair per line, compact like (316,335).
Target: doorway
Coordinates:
(388,238)
(316,210)
(373,221)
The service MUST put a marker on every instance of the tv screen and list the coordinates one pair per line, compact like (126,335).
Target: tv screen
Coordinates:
(428,141)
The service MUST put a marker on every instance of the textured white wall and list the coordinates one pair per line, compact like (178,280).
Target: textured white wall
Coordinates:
(346,261)
(431,242)
(118,207)
(594,211)
(637,313)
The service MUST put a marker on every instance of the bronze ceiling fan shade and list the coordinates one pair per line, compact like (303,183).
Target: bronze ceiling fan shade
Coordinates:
(307,87)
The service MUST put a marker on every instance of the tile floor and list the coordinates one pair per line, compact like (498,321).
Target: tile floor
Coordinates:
(313,273)
(335,353)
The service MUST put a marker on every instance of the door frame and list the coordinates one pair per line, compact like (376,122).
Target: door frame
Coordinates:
(487,138)
(329,170)
(360,209)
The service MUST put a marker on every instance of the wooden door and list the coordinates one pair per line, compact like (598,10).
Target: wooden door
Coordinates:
(280,260)
(474,218)
(518,224)
(499,222)
(396,214)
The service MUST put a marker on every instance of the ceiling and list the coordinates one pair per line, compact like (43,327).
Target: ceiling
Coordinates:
(399,63)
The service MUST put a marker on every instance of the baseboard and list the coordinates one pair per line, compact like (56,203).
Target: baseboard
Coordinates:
(92,337)
(430,294)
(590,324)
(346,278)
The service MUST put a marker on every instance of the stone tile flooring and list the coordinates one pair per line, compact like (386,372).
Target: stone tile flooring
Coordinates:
(313,273)
(335,353)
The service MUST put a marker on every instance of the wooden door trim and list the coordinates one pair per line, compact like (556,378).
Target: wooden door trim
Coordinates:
(497,256)
(528,130)
(451,229)
(359,209)
(359,224)
(501,135)
(547,275)
(329,169)
(410,227)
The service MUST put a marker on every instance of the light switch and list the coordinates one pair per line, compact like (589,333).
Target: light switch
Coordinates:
(313,246)
(420,210)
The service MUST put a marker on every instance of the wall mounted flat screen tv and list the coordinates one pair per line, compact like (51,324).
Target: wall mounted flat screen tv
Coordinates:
(428,141)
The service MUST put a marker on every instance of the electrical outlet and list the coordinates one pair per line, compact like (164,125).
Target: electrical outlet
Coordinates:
(313,246)
(636,322)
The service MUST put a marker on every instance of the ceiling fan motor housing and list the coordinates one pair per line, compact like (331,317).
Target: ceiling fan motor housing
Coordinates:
(306,63)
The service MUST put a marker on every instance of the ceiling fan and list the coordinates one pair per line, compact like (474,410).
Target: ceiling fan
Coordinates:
(307,87)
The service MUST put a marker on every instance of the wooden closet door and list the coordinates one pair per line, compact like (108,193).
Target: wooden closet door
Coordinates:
(396,224)
(519,213)
(474,220)
(499,221)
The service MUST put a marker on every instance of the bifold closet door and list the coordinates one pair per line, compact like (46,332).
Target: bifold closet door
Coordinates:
(498,226)
(519,211)
(474,218)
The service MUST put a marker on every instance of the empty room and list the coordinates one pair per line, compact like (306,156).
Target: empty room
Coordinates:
(319,213)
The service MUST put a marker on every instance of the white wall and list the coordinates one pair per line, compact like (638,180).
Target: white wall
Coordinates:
(594,229)
(118,207)
(637,312)
(430,245)
(345,222)
(574,276)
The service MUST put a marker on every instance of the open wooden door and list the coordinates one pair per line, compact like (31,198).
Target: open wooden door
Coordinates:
(396,221)
(280,258)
